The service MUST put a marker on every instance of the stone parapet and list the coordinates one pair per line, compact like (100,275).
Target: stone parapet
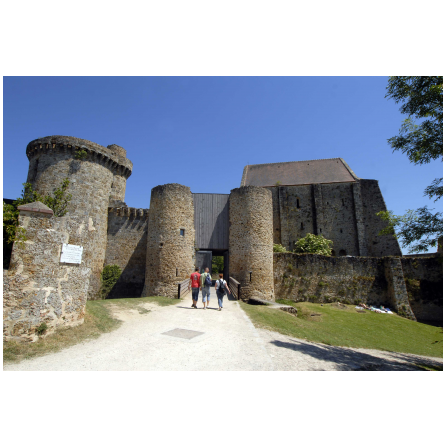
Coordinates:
(110,156)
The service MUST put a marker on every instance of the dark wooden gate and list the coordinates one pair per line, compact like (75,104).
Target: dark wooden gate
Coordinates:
(211,222)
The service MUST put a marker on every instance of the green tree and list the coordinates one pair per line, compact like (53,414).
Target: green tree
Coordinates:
(109,276)
(58,202)
(217,264)
(421,139)
(314,244)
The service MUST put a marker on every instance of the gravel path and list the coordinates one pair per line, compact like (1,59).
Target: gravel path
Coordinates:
(227,341)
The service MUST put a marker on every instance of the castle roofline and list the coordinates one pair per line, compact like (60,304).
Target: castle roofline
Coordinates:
(328,170)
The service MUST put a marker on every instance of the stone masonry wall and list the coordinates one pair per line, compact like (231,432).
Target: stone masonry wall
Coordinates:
(127,248)
(373,202)
(342,212)
(251,241)
(37,288)
(424,283)
(351,280)
(52,159)
(170,240)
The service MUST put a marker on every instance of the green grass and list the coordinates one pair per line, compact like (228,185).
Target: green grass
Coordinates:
(98,320)
(345,327)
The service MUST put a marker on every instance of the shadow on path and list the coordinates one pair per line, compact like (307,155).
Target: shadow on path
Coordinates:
(347,359)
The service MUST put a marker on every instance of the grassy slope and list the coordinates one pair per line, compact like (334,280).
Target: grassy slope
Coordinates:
(346,327)
(98,320)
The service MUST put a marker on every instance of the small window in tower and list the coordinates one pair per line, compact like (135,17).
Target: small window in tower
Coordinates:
(301,225)
(343,202)
(177,272)
(182,231)
(297,203)
(342,252)
(320,229)
(341,231)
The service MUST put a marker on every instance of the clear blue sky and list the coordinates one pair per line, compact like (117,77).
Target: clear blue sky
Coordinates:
(202,131)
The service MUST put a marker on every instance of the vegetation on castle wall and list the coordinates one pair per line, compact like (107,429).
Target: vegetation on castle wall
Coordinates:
(277,247)
(58,202)
(80,154)
(313,244)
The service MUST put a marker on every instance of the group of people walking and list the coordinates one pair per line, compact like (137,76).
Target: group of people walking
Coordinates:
(203,282)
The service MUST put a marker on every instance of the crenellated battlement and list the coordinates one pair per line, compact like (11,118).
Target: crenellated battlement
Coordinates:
(131,213)
(112,157)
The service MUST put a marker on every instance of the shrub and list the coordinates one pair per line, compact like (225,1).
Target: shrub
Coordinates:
(278,248)
(41,329)
(314,244)
(109,276)
(80,154)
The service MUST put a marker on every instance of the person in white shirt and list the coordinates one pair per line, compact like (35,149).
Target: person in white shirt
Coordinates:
(220,286)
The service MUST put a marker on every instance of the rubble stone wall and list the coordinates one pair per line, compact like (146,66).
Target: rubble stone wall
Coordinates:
(52,159)
(424,283)
(251,241)
(39,289)
(127,248)
(411,287)
(170,240)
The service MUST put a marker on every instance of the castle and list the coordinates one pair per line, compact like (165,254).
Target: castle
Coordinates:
(157,248)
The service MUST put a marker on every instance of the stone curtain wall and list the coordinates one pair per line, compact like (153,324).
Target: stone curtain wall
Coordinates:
(127,248)
(170,255)
(37,288)
(373,202)
(251,241)
(342,212)
(92,183)
(424,283)
(411,287)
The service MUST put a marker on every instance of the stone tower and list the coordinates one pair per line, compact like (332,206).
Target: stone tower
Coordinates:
(170,240)
(251,241)
(96,179)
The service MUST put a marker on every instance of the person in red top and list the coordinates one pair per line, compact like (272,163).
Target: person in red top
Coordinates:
(194,281)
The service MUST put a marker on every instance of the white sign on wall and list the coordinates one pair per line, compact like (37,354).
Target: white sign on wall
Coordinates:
(71,253)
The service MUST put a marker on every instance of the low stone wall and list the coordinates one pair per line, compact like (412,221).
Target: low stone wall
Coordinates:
(424,283)
(127,248)
(37,288)
(352,280)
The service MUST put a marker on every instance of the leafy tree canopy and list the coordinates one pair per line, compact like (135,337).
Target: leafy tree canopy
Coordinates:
(421,139)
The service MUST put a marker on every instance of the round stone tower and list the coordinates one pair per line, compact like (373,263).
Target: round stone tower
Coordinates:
(251,241)
(170,240)
(97,175)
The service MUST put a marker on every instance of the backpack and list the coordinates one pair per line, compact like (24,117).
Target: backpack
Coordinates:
(221,286)
(208,280)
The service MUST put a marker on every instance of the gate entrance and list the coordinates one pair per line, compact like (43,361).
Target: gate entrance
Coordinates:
(211,220)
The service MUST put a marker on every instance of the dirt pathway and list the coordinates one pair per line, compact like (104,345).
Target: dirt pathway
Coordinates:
(208,340)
